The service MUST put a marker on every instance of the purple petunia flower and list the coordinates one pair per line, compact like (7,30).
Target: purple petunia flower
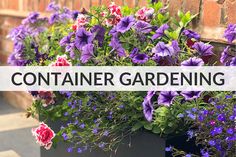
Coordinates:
(162,50)
(70,48)
(175,46)
(134,52)
(225,56)
(99,34)
(140,58)
(82,38)
(19,33)
(148,110)
(74,14)
(233,62)
(190,95)
(143,27)
(87,53)
(166,97)
(31,19)
(53,7)
(160,31)
(54,18)
(191,34)
(125,24)
(193,62)
(230,33)
(203,49)
(66,40)
(115,44)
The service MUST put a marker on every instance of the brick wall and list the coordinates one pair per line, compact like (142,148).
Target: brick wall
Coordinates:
(213,16)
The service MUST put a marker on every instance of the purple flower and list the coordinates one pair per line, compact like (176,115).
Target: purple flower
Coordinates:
(31,19)
(83,38)
(70,149)
(87,53)
(160,31)
(106,133)
(82,126)
(99,34)
(125,24)
(216,131)
(225,56)
(190,95)
(166,97)
(149,95)
(175,46)
(212,142)
(95,131)
(193,62)
(233,62)
(143,27)
(79,150)
(221,117)
(168,149)
(230,33)
(134,52)
(140,58)
(188,155)
(70,48)
(190,134)
(54,18)
(66,40)
(162,50)
(19,33)
(203,49)
(204,153)
(230,131)
(148,110)
(65,137)
(101,145)
(191,34)
(115,44)
(53,7)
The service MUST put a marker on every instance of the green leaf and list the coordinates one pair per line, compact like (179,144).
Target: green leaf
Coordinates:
(137,126)
(148,126)
(156,130)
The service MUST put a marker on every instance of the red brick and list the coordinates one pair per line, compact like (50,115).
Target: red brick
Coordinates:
(77,5)
(6,45)
(3,59)
(231,11)
(192,5)
(105,2)
(120,2)
(130,3)
(13,4)
(211,13)
(142,3)
(174,6)
(43,5)
(95,2)
(85,4)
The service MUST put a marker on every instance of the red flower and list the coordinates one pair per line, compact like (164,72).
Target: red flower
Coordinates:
(115,14)
(61,61)
(47,97)
(43,135)
(145,14)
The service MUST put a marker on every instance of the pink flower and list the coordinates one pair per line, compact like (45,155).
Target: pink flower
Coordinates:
(43,135)
(80,22)
(145,14)
(114,14)
(61,61)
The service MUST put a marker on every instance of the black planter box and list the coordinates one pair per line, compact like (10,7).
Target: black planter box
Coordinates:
(143,144)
